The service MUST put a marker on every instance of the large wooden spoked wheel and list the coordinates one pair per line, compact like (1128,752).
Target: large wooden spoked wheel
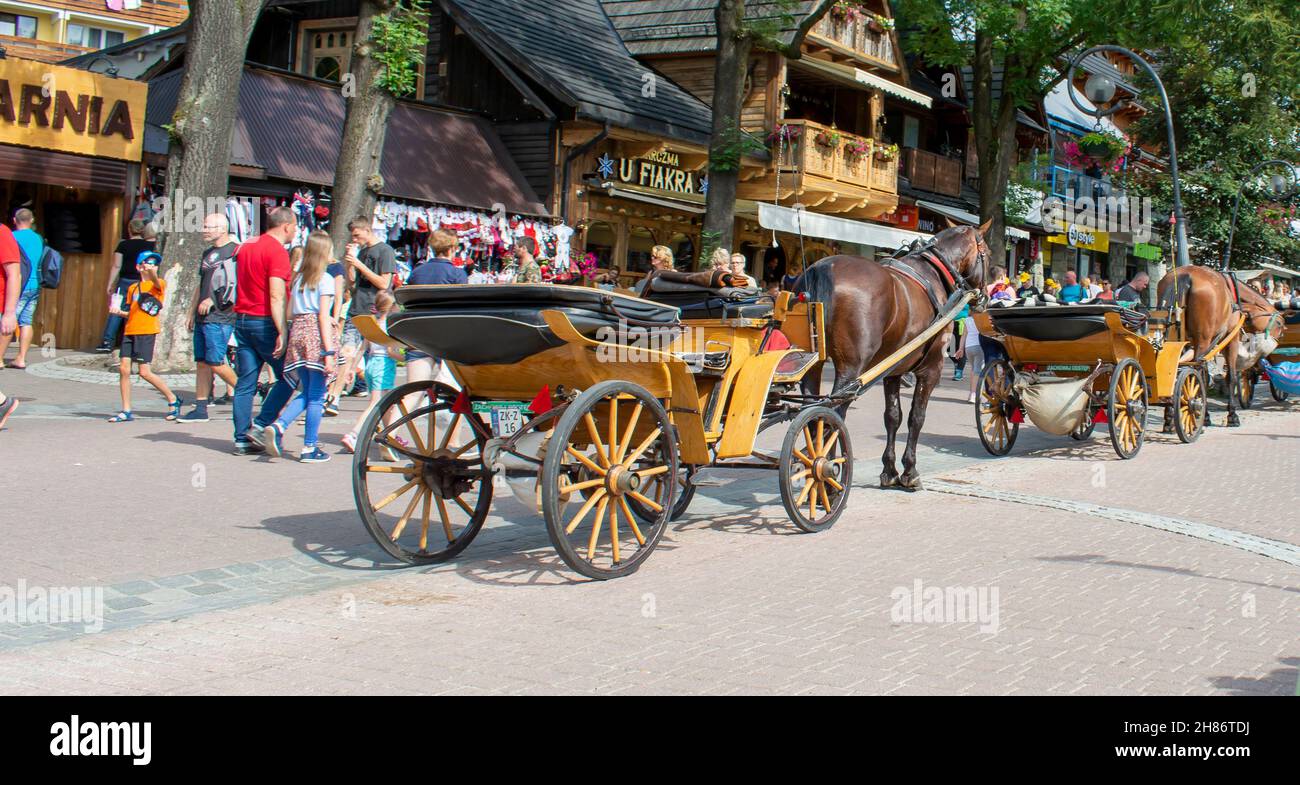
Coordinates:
(685,493)
(430,503)
(1126,407)
(1190,404)
(1246,388)
(613,445)
(995,401)
(1084,432)
(816,469)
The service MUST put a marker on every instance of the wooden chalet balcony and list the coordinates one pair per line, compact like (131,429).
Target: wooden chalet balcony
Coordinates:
(43,51)
(932,172)
(828,178)
(855,38)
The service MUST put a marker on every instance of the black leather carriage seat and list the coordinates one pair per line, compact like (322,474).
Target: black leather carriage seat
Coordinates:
(1060,322)
(502,323)
(703,302)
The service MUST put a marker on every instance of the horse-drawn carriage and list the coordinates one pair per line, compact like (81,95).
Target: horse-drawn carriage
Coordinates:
(596,409)
(1071,367)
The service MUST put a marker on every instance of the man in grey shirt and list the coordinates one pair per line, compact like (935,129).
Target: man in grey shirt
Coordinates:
(370,265)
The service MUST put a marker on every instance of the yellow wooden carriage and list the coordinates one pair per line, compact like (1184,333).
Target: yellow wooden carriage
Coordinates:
(596,409)
(1125,364)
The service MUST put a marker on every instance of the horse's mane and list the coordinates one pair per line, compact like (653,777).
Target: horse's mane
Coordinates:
(950,244)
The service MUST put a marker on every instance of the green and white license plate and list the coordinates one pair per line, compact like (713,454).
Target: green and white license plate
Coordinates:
(508,417)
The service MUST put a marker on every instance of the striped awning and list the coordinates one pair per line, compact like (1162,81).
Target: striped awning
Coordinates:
(857,77)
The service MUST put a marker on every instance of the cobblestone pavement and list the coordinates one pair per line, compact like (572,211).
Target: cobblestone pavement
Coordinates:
(236,575)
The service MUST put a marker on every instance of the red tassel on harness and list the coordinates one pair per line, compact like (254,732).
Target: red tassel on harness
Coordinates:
(1018,415)
(1100,417)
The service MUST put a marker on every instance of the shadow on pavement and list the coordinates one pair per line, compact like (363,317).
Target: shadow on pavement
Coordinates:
(1093,558)
(1281,681)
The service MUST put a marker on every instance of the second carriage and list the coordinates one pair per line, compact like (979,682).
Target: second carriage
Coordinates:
(1069,368)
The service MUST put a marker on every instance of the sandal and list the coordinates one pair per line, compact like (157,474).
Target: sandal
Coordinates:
(349,443)
(123,416)
(174,409)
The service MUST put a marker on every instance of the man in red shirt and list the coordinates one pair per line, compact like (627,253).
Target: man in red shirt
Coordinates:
(10,288)
(262,273)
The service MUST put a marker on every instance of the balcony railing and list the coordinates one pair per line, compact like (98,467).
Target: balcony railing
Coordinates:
(932,172)
(44,51)
(857,35)
(1069,183)
(835,159)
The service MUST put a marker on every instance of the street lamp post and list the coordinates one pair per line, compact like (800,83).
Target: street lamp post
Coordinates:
(1101,89)
(1278,184)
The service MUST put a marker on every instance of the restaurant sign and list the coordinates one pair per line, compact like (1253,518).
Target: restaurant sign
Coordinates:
(56,108)
(661,171)
(905,216)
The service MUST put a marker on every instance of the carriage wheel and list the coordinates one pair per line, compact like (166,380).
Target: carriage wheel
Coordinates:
(1246,388)
(993,408)
(429,504)
(1084,432)
(615,440)
(685,493)
(1278,393)
(1189,405)
(816,469)
(1126,406)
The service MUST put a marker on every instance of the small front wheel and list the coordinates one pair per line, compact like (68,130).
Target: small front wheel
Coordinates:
(816,469)
(1126,407)
(1278,393)
(1189,405)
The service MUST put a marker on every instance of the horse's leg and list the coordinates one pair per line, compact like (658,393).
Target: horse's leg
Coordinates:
(1230,353)
(927,379)
(893,418)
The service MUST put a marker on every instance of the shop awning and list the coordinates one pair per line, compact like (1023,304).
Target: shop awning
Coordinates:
(857,77)
(1279,270)
(968,218)
(827,227)
(292,128)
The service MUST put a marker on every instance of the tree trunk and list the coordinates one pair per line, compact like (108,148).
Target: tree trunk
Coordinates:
(357,180)
(734,48)
(198,163)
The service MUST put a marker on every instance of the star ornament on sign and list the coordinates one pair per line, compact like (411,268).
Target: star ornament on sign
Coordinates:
(704,185)
(606,166)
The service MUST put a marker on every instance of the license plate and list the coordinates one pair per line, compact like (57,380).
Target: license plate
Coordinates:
(507,416)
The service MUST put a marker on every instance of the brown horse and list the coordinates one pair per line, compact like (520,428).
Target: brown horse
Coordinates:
(1211,302)
(872,310)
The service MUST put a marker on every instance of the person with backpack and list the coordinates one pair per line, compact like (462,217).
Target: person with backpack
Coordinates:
(32,248)
(212,315)
(123,275)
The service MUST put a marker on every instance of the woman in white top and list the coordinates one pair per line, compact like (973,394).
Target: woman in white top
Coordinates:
(310,354)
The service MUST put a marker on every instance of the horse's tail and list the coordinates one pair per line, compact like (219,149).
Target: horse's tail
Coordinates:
(1176,295)
(819,284)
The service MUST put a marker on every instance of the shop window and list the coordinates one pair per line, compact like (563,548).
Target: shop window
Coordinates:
(93,37)
(639,244)
(17,25)
(911,131)
(601,238)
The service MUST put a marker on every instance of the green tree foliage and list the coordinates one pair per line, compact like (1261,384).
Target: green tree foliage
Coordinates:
(401,37)
(1232,73)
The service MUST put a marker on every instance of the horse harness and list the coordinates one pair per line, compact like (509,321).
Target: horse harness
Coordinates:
(953,281)
(1235,286)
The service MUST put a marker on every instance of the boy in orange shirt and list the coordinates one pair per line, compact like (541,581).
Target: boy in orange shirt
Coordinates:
(142,305)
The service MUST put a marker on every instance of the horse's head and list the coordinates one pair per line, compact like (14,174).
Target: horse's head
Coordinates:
(1263,327)
(964,249)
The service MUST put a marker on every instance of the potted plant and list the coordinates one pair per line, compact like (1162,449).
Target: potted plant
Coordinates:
(845,11)
(886,152)
(1098,150)
(828,137)
(856,148)
(877,23)
(784,134)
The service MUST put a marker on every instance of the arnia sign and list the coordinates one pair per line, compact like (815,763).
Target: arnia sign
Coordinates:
(72,111)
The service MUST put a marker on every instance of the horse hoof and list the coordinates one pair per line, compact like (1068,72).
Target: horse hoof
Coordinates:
(911,484)
(1234,422)
(888,481)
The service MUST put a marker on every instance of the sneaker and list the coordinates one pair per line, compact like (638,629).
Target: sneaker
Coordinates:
(970,398)
(198,415)
(103,348)
(7,408)
(389,454)
(909,380)
(317,455)
(222,401)
(957,377)
(248,448)
(331,407)
(256,436)
(273,440)
(349,442)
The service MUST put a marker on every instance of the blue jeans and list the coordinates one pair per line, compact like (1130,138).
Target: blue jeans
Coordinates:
(113,327)
(256,336)
(311,398)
